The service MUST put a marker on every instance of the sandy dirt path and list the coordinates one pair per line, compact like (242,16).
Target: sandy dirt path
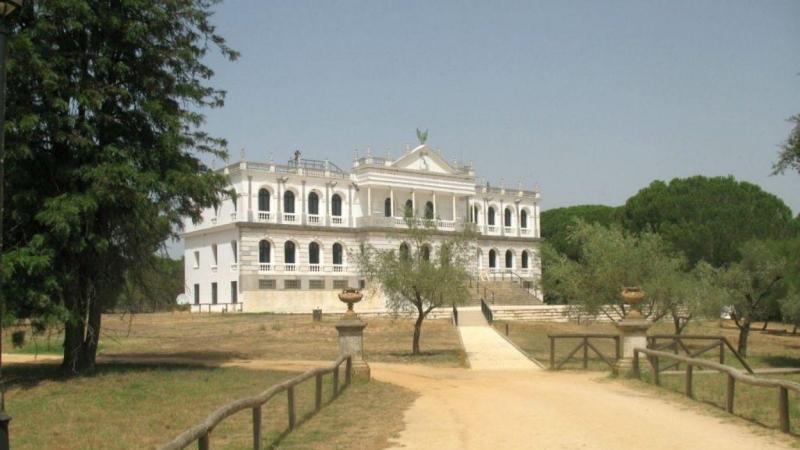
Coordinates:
(472,409)
(524,409)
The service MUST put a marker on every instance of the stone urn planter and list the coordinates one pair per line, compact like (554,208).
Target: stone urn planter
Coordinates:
(633,296)
(350,296)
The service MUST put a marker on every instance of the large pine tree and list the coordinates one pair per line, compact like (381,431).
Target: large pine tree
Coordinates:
(104,139)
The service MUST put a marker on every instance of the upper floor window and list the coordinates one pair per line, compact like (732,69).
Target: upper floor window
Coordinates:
(336,205)
(409,209)
(196,259)
(337,254)
(214,254)
(490,215)
(475,214)
(234,201)
(288,252)
(425,252)
(264,251)
(509,259)
(288,202)
(313,203)
(523,219)
(492,258)
(429,210)
(387,207)
(525,260)
(313,253)
(405,254)
(235,251)
(263,199)
(507,217)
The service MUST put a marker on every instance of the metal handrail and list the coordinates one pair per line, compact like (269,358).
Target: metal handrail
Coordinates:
(487,312)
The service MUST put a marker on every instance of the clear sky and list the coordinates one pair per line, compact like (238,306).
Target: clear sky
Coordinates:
(589,100)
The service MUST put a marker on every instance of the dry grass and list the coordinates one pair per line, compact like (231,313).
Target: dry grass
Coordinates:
(126,406)
(766,349)
(261,336)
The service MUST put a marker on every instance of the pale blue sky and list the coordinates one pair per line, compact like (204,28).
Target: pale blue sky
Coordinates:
(590,100)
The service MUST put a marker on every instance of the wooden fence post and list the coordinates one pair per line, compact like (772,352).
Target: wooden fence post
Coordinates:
(783,408)
(202,443)
(552,352)
(336,382)
(348,369)
(257,428)
(290,399)
(318,393)
(721,352)
(688,387)
(617,347)
(585,352)
(730,393)
(636,373)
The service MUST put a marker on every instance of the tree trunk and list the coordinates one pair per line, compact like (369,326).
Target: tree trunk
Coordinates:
(794,331)
(744,333)
(766,323)
(417,333)
(81,337)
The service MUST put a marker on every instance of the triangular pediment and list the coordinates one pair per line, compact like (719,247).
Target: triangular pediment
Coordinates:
(424,159)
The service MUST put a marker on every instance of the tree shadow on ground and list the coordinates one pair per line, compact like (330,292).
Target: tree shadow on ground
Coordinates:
(208,356)
(29,375)
(781,361)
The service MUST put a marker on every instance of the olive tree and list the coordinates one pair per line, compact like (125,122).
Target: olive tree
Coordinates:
(415,276)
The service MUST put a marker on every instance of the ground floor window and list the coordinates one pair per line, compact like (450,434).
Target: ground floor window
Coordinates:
(234,292)
(266,284)
(316,284)
(214,293)
(340,284)
(291,284)
(196,294)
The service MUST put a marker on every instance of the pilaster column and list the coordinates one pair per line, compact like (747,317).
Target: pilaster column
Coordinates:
(327,204)
(413,203)
(391,202)
(279,211)
(349,206)
(303,204)
(433,194)
(502,219)
(518,221)
(369,201)
(454,208)
(249,197)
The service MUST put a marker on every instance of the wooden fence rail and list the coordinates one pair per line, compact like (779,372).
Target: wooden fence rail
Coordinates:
(584,344)
(734,375)
(678,342)
(201,433)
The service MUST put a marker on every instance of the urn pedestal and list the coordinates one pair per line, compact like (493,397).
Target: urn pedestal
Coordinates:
(351,335)
(632,330)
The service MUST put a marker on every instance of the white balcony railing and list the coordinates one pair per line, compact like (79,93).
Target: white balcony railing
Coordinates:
(336,220)
(264,216)
(313,268)
(508,230)
(214,268)
(491,228)
(446,224)
(339,268)
(312,219)
(290,268)
(289,218)
(525,231)
(264,267)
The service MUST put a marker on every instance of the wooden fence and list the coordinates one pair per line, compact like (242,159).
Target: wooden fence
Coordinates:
(733,374)
(202,431)
(677,342)
(584,344)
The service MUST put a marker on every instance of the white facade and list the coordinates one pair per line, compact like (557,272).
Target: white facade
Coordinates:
(286,241)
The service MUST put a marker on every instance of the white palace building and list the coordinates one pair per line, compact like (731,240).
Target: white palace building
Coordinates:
(287,241)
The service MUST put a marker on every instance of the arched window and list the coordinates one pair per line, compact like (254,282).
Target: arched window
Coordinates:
(475,214)
(387,207)
(234,199)
(263,251)
(523,219)
(409,209)
(263,199)
(525,259)
(313,203)
(492,259)
(336,205)
(490,215)
(429,210)
(288,252)
(337,254)
(425,252)
(509,259)
(288,202)
(405,254)
(313,253)
(507,217)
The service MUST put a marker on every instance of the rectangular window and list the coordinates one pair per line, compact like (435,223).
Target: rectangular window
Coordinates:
(196,293)
(266,284)
(234,250)
(291,284)
(196,259)
(214,254)
(362,284)
(234,292)
(340,284)
(316,284)
(214,293)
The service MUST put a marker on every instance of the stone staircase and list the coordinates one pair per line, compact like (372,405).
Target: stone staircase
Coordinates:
(500,293)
